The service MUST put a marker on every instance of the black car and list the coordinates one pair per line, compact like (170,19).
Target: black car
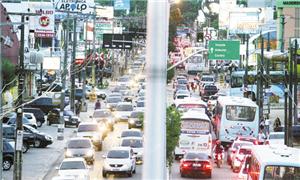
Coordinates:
(38,113)
(8,154)
(69,117)
(9,133)
(41,140)
(44,103)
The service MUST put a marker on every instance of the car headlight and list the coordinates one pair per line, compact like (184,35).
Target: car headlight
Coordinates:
(68,153)
(131,121)
(90,153)
(48,138)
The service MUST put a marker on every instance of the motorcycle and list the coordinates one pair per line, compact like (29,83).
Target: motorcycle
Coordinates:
(219,159)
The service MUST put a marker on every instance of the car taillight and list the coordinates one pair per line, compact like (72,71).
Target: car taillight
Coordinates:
(185,164)
(207,166)
(267,142)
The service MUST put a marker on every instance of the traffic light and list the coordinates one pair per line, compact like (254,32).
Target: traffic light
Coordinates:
(200,37)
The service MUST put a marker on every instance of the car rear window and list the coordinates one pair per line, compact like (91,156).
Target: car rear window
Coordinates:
(87,127)
(131,134)
(196,156)
(210,88)
(79,143)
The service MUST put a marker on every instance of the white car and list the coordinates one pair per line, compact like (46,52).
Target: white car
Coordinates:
(30,116)
(275,138)
(239,156)
(93,131)
(123,81)
(75,167)
(136,143)
(123,111)
(119,160)
(181,94)
(140,106)
(207,80)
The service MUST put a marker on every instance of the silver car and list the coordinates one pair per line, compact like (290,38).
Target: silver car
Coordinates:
(80,147)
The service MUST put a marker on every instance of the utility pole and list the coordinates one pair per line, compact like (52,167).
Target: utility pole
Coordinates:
(246,68)
(295,83)
(1,106)
(73,73)
(94,53)
(83,73)
(155,116)
(286,137)
(281,28)
(260,74)
(290,97)
(63,74)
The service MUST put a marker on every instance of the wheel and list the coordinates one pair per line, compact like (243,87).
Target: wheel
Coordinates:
(99,148)
(7,163)
(25,147)
(129,127)
(129,174)
(39,123)
(37,143)
(104,174)
(209,175)
(34,126)
(181,174)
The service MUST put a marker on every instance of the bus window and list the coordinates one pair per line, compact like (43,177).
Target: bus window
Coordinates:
(240,113)
(281,173)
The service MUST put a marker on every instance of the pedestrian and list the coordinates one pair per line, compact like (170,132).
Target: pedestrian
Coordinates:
(98,104)
(267,126)
(277,124)
(262,124)
(77,108)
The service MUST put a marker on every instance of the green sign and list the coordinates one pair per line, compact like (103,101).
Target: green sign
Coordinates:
(102,27)
(288,3)
(224,50)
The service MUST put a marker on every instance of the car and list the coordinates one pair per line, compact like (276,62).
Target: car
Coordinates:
(70,119)
(180,87)
(243,173)
(238,157)
(12,121)
(140,98)
(99,93)
(7,155)
(136,143)
(233,148)
(127,96)
(105,116)
(207,80)
(123,81)
(275,138)
(140,106)
(119,160)
(208,90)
(78,93)
(135,120)
(92,131)
(29,118)
(194,163)
(41,140)
(75,167)
(131,133)
(80,147)
(123,111)
(182,82)
(112,102)
(38,113)
(9,134)
(44,103)
(247,138)
(181,94)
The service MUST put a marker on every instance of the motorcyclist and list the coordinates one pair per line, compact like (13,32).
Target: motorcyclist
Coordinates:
(218,148)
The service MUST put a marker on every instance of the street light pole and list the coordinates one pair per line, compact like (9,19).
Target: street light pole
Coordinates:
(94,53)
(155,115)
(73,73)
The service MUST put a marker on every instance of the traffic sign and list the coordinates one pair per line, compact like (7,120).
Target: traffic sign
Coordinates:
(287,3)
(224,50)
(117,41)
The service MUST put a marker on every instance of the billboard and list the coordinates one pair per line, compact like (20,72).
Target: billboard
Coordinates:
(103,26)
(44,24)
(83,6)
(88,31)
(122,4)
(105,12)
(244,22)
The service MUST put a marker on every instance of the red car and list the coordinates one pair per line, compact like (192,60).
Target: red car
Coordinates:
(247,138)
(195,164)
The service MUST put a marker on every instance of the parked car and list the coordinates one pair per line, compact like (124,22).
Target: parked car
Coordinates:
(28,117)
(38,113)
(92,131)
(69,117)
(41,140)
(9,133)
(135,120)
(80,147)
(7,155)
(74,167)
(12,121)
(119,160)
(194,163)
(44,103)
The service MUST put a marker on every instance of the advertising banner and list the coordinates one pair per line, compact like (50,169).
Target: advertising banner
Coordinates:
(83,6)
(103,27)
(244,22)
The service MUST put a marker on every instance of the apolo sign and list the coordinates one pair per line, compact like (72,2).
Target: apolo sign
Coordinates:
(287,3)
(74,5)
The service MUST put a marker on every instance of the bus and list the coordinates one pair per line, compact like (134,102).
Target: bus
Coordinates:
(183,105)
(237,79)
(195,64)
(235,116)
(273,162)
(196,134)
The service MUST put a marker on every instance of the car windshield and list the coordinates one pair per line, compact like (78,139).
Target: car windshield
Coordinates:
(68,113)
(133,143)
(276,136)
(136,114)
(182,81)
(101,113)
(244,151)
(140,104)
(124,107)
(118,154)
(131,134)
(181,87)
(240,113)
(32,129)
(196,156)
(87,127)
(113,100)
(183,92)
(207,79)
(72,165)
(79,143)
(123,79)
(209,87)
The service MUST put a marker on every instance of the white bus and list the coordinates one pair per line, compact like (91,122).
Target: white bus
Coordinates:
(183,105)
(235,116)
(273,162)
(196,134)
(195,64)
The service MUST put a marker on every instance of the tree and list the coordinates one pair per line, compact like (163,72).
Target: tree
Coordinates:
(8,73)
(173,126)
(170,73)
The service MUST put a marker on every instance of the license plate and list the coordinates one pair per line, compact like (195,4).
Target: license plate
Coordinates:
(196,165)
(116,169)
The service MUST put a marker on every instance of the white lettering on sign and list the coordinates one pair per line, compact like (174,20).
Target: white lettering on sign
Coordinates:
(220,45)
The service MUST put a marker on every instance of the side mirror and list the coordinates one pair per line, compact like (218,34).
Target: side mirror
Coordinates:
(104,156)
(91,117)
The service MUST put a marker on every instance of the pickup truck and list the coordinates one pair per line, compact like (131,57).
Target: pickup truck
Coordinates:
(208,90)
